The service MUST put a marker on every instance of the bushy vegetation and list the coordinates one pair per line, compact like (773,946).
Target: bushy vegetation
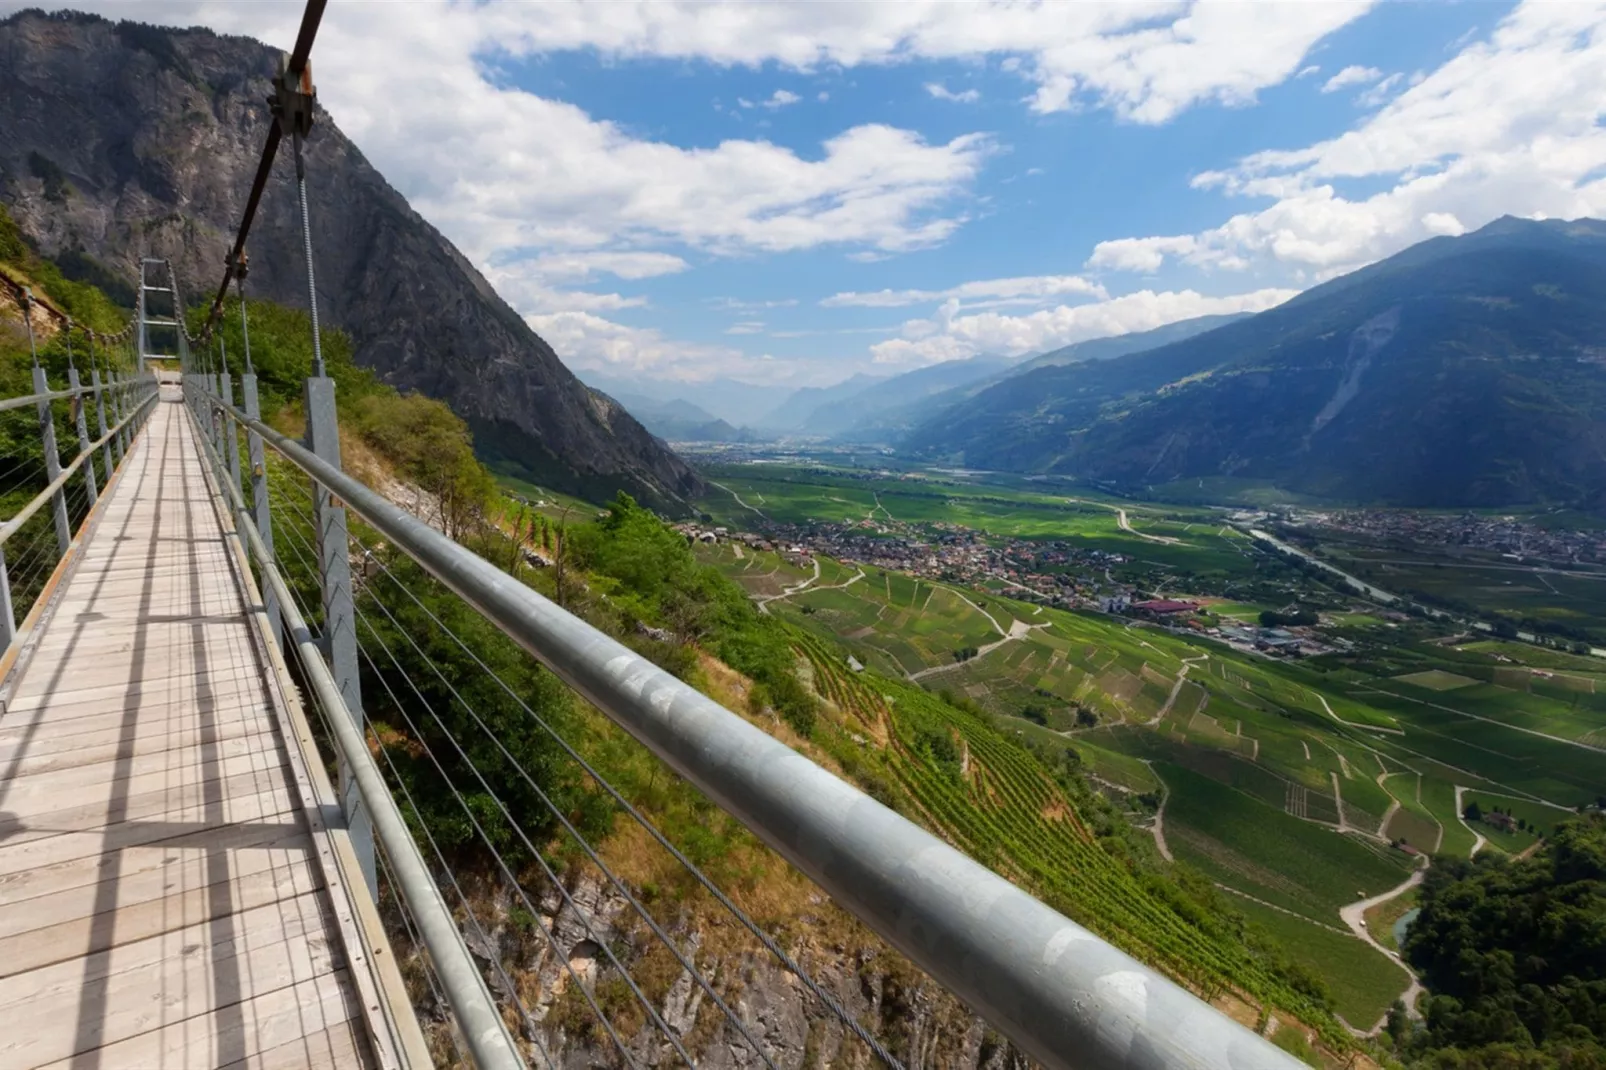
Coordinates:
(1514,953)
(651,577)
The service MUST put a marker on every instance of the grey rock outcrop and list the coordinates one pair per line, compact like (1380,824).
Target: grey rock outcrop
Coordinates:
(119,139)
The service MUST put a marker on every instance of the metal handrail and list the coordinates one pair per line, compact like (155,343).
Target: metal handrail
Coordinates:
(486,1035)
(37,502)
(51,395)
(1062,994)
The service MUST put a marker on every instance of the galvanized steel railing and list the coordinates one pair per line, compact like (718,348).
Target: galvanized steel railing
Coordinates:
(120,405)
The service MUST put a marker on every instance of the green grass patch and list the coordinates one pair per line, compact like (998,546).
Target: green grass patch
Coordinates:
(1256,848)
(1363,982)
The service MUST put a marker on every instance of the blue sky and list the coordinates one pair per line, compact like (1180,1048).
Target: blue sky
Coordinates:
(790,194)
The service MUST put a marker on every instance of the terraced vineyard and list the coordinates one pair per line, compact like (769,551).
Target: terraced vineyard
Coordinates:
(995,800)
(1305,785)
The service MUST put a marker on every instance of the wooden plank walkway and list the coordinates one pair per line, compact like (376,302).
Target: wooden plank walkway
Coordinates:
(160,902)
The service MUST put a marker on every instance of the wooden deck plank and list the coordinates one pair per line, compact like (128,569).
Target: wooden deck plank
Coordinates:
(286,919)
(182,799)
(122,868)
(268,1022)
(161,901)
(120,745)
(190,972)
(273,803)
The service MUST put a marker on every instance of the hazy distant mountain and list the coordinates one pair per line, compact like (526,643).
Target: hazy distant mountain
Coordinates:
(885,411)
(1121,344)
(678,420)
(792,415)
(1466,371)
(928,408)
(736,402)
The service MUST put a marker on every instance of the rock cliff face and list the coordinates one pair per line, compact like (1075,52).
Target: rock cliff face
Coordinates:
(910,1015)
(119,140)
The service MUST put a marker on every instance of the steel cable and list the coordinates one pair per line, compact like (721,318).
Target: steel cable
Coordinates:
(446,869)
(562,818)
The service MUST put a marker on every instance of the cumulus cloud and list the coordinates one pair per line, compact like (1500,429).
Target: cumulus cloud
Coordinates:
(1031,287)
(1145,61)
(949,336)
(1352,75)
(623,263)
(942,92)
(781,98)
(1514,124)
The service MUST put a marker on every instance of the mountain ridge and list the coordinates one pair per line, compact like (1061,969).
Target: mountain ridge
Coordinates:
(152,136)
(1461,372)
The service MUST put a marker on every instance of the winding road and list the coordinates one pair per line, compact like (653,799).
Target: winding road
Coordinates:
(1354,916)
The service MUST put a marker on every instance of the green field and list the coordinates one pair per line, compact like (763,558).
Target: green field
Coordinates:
(1085,519)
(1479,578)
(1364,983)
(1260,850)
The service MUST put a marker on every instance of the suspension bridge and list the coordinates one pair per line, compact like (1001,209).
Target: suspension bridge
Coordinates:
(208,856)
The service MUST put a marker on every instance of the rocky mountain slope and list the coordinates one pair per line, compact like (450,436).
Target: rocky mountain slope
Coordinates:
(1465,371)
(120,139)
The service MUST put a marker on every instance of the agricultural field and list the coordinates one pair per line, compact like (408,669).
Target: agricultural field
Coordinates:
(1260,850)
(1183,538)
(1480,578)
(954,770)
(1364,984)
(1300,785)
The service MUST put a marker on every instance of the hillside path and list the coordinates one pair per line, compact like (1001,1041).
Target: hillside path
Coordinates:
(1158,828)
(738,498)
(1354,916)
(1176,689)
(1479,841)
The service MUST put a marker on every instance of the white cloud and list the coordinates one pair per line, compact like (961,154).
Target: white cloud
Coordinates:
(781,98)
(623,263)
(823,96)
(1306,72)
(1378,93)
(746,327)
(1514,124)
(1032,287)
(942,92)
(1146,61)
(594,343)
(1145,255)
(1352,75)
(953,337)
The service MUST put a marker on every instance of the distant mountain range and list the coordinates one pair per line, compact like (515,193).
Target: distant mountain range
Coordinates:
(864,408)
(678,420)
(1466,371)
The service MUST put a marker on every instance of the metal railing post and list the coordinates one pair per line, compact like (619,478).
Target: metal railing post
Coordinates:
(118,410)
(339,612)
(110,455)
(80,418)
(231,437)
(8,615)
(259,493)
(47,433)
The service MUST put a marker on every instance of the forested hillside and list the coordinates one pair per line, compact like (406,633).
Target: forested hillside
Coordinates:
(1514,952)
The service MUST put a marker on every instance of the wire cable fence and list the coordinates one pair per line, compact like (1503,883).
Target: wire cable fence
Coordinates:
(66,423)
(455,739)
